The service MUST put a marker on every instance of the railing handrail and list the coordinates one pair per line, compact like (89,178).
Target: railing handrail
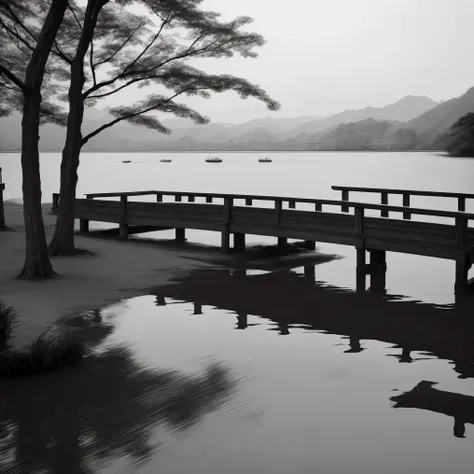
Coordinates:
(327,202)
(412,192)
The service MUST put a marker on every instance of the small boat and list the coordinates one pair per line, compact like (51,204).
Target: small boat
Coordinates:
(213,159)
(126,161)
(265,160)
(166,160)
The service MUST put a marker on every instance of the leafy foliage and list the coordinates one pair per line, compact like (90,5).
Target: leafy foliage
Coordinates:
(459,140)
(20,25)
(156,52)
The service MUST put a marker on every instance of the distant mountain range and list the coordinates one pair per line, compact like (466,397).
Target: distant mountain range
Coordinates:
(412,121)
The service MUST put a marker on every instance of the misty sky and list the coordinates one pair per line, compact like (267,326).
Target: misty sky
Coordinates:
(324,56)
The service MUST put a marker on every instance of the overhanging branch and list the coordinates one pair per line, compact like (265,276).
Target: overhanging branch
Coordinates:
(13,78)
(125,117)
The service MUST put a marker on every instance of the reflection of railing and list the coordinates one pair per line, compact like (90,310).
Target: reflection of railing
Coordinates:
(452,241)
(406,193)
(2,209)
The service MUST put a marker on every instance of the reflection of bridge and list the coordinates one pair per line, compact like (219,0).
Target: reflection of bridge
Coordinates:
(292,300)
(425,397)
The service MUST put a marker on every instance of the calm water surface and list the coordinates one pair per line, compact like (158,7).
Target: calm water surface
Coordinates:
(259,371)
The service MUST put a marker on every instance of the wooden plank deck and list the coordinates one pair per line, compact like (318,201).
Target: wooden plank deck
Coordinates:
(331,221)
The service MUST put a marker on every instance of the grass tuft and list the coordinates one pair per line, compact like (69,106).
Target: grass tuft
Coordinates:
(48,352)
(7,318)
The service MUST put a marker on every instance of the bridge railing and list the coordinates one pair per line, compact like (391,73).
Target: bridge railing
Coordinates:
(344,204)
(406,193)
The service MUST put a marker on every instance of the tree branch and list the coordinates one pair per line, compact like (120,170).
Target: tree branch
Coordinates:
(112,56)
(91,60)
(17,20)
(15,35)
(125,117)
(123,86)
(61,54)
(6,86)
(75,16)
(163,23)
(13,78)
(125,74)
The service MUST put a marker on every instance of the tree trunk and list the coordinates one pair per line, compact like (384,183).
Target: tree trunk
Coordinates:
(37,264)
(62,242)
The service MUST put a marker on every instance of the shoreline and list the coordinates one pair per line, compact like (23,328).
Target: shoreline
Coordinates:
(117,270)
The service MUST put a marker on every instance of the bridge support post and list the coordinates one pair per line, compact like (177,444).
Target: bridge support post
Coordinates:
(361,270)
(84,225)
(123,226)
(462,268)
(239,242)
(225,240)
(310,273)
(180,235)
(242,321)
(282,242)
(378,269)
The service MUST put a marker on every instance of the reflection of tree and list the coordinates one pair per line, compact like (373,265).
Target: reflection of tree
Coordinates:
(104,410)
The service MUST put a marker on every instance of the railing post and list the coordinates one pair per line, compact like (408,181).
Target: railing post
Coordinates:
(178,198)
(282,241)
(292,204)
(345,197)
(384,200)
(2,209)
(462,256)
(123,226)
(159,198)
(461,204)
(318,207)
(84,223)
(361,266)
(191,198)
(209,199)
(248,201)
(55,205)
(225,236)
(406,203)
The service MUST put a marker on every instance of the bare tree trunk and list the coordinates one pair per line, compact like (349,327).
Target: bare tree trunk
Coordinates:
(62,242)
(37,264)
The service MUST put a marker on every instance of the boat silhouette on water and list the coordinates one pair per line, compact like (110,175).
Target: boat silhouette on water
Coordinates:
(213,159)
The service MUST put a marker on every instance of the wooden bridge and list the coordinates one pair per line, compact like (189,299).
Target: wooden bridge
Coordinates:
(333,221)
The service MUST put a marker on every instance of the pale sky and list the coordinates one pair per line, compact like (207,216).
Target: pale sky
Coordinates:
(323,56)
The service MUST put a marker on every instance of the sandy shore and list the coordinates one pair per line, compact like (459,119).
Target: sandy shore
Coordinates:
(117,270)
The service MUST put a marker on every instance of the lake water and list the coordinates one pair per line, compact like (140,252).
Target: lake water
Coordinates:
(268,371)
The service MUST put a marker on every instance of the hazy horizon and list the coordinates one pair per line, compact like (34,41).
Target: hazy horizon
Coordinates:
(324,57)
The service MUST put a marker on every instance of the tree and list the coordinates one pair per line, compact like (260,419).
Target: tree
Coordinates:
(459,140)
(23,58)
(125,50)
(405,138)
